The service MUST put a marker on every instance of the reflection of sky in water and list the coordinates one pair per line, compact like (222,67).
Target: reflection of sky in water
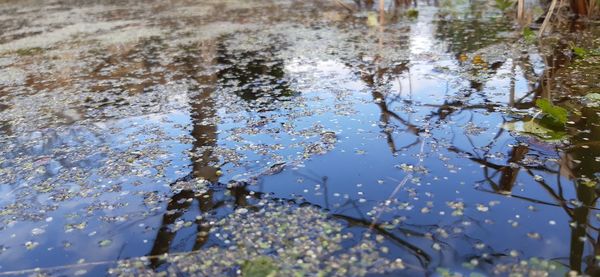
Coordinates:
(375,175)
(122,205)
(424,112)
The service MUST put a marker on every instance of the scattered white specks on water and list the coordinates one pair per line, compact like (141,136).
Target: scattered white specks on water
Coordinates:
(80,272)
(482,208)
(174,125)
(37,231)
(105,243)
(29,245)
(241,211)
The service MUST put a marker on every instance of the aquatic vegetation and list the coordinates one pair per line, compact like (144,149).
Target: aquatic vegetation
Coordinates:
(29,51)
(276,240)
(583,53)
(412,13)
(261,266)
(293,138)
(533,267)
(503,5)
(529,35)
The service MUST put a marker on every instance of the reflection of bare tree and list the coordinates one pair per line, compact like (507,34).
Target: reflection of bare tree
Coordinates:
(422,256)
(586,195)
(205,134)
(179,205)
(502,176)
(584,151)
(128,69)
(395,5)
(203,113)
(467,36)
(367,224)
(5,126)
(376,76)
(374,80)
(254,75)
(509,172)
(204,131)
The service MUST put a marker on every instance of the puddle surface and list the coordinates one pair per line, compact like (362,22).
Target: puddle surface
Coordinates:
(293,137)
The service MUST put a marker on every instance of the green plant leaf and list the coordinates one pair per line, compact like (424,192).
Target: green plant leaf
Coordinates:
(528,35)
(589,183)
(557,113)
(535,129)
(580,52)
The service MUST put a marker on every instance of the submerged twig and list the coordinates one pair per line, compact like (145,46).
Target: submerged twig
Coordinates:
(399,186)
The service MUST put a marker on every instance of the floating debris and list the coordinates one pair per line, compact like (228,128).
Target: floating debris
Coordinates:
(165,132)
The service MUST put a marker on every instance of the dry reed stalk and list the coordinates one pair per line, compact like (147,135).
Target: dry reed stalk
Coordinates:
(592,7)
(381,11)
(547,19)
(520,9)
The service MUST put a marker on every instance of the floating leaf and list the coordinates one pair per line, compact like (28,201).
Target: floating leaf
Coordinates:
(593,96)
(443,271)
(533,128)
(372,20)
(104,243)
(557,113)
(593,99)
(31,245)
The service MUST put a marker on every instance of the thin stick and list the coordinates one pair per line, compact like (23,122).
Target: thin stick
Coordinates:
(339,2)
(381,12)
(547,19)
(399,186)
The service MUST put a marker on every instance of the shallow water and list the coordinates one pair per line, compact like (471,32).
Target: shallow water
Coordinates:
(200,130)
